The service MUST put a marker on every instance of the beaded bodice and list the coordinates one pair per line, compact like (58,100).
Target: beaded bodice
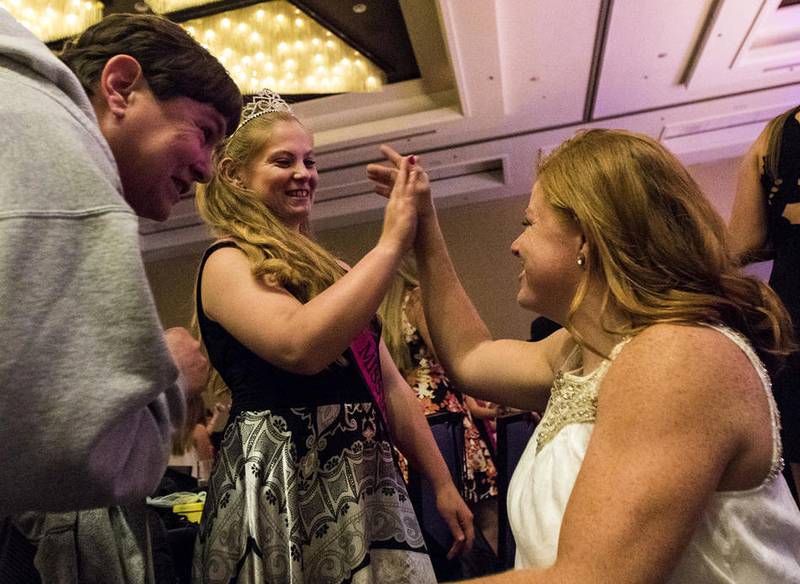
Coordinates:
(573,398)
(741,536)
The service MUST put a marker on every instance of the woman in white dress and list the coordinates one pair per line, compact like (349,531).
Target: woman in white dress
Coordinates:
(658,457)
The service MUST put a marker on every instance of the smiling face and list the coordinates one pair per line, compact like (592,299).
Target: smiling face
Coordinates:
(284,174)
(549,248)
(164,147)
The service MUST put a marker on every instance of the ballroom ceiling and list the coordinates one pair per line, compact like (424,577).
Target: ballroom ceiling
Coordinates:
(374,29)
(501,82)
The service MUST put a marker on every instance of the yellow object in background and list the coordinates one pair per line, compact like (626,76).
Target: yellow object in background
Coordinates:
(192,511)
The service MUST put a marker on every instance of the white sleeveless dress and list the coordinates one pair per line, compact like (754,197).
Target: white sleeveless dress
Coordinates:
(744,537)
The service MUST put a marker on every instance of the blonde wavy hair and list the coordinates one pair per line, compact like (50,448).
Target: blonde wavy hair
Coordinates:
(280,255)
(656,242)
(391,313)
(276,254)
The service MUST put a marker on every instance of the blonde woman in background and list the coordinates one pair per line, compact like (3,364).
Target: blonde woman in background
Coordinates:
(305,488)
(658,456)
(406,336)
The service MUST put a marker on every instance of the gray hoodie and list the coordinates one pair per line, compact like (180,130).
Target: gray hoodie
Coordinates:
(88,397)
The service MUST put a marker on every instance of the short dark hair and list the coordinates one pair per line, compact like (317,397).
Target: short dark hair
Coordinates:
(173,63)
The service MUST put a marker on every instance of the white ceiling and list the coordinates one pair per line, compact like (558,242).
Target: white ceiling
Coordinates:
(506,80)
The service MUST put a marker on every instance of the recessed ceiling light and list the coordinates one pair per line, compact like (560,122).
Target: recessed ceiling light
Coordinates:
(359,8)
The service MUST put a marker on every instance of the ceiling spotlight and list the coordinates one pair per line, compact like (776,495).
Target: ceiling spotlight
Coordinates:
(359,8)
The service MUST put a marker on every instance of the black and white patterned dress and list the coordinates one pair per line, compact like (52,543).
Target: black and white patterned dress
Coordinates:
(305,488)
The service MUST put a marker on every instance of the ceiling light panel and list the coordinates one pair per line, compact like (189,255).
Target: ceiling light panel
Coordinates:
(52,20)
(276,45)
(164,6)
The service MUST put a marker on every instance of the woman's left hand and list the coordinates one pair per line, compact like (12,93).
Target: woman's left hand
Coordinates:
(384,178)
(400,216)
(458,517)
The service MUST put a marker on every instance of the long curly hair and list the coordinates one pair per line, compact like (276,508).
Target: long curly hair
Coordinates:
(280,255)
(277,254)
(656,242)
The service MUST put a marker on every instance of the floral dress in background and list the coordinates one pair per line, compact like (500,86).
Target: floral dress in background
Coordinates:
(433,388)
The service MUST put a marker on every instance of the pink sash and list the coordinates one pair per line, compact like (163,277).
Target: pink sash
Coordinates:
(366,353)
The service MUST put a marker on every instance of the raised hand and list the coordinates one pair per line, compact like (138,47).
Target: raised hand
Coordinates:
(400,217)
(385,176)
(219,416)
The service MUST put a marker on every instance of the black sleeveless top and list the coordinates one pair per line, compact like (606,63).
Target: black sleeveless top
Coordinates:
(780,191)
(257,384)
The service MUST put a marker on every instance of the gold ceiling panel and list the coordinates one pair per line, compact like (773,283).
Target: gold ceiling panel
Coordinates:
(52,20)
(271,44)
(164,6)
(276,45)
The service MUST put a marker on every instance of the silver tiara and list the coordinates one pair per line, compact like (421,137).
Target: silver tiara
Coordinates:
(265,101)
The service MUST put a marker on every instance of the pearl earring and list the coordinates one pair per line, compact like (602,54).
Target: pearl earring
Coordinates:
(581,261)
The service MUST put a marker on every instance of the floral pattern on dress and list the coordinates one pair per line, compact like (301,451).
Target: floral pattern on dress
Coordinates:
(436,394)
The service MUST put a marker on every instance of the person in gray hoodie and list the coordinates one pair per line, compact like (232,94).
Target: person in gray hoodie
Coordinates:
(121,125)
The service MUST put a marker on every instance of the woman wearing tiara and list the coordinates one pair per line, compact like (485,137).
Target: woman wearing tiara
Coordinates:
(305,488)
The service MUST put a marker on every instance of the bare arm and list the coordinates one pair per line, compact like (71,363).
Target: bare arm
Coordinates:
(305,338)
(413,437)
(190,361)
(508,372)
(202,442)
(416,317)
(748,224)
(656,457)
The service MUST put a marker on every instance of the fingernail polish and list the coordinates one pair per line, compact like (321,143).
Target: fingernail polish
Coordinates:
(412,159)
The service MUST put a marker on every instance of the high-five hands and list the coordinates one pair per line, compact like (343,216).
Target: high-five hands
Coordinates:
(385,178)
(400,217)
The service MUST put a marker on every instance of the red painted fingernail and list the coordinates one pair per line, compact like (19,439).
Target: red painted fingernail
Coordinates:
(412,159)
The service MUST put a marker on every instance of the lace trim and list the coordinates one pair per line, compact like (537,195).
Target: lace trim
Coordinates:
(572,401)
(573,398)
